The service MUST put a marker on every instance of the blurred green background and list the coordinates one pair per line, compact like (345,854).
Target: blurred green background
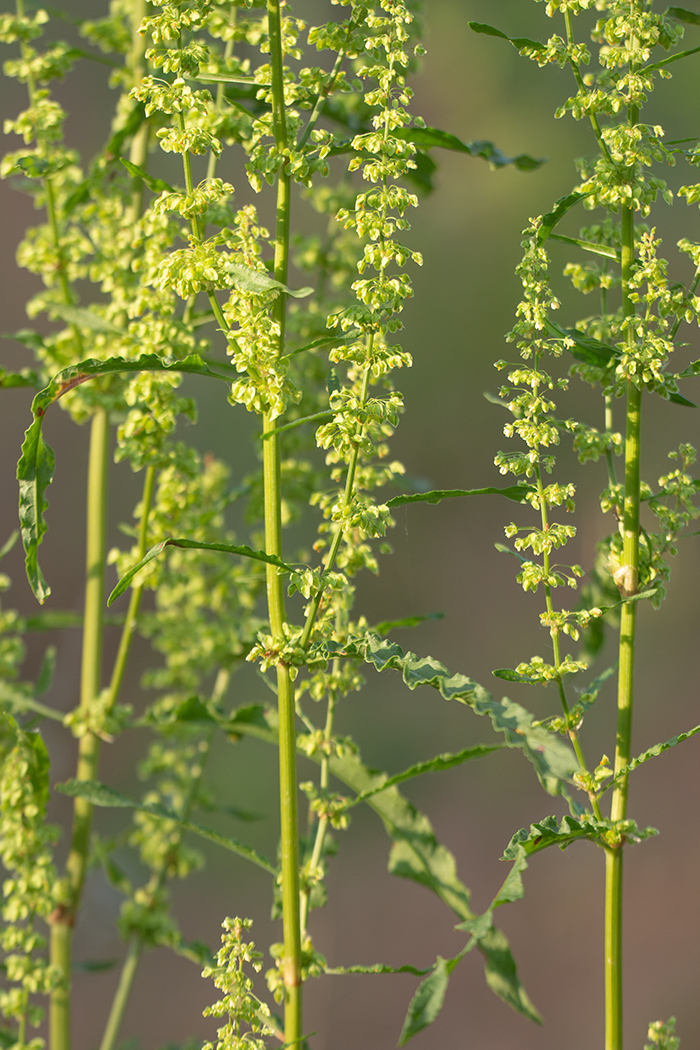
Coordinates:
(465,296)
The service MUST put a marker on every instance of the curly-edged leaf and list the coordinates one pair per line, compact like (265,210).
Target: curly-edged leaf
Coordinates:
(408,621)
(518,493)
(416,853)
(520,42)
(33,167)
(588,246)
(256,282)
(101,795)
(157,185)
(554,761)
(652,752)
(376,968)
(427,1001)
(428,138)
(439,764)
(226,548)
(561,207)
(34,473)
(683,15)
(585,348)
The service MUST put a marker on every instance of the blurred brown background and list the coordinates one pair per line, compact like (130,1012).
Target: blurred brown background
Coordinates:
(465,295)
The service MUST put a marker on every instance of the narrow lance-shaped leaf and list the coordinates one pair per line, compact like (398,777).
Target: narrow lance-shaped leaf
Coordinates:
(439,764)
(226,548)
(429,138)
(683,15)
(157,185)
(101,795)
(416,853)
(517,493)
(519,42)
(36,464)
(561,207)
(652,752)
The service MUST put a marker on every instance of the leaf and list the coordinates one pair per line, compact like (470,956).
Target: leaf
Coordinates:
(33,167)
(428,138)
(9,544)
(156,185)
(416,853)
(83,317)
(39,766)
(438,764)
(590,351)
(375,968)
(101,795)
(427,1001)
(671,58)
(509,675)
(36,465)
(94,965)
(652,752)
(25,377)
(554,762)
(46,671)
(561,206)
(409,621)
(588,246)
(518,493)
(317,417)
(227,548)
(520,42)
(257,283)
(683,15)
(34,473)
(502,549)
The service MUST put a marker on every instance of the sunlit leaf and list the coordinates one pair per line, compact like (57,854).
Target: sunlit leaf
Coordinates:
(427,1002)
(226,548)
(518,493)
(519,42)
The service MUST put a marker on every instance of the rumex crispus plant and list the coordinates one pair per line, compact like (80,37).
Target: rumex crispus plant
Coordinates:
(152,271)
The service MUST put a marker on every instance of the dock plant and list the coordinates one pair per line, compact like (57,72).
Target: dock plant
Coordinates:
(247,224)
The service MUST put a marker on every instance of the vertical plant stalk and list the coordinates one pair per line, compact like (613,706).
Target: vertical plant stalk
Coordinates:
(289,817)
(627,581)
(89,745)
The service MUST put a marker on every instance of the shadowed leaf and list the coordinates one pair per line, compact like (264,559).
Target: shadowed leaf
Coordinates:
(101,795)
(518,493)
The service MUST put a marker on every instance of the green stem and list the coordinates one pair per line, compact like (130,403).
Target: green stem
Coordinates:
(136,593)
(89,745)
(627,581)
(289,817)
(121,997)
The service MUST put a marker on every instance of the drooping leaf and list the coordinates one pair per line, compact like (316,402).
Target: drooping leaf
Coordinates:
(156,185)
(519,42)
(517,493)
(101,795)
(36,465)
(34,473)
(256,282)
(427,1002)
(561,207)
(226,548)
(429,138)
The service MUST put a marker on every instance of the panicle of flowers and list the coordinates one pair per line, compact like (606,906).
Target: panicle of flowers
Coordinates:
(249,1019)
